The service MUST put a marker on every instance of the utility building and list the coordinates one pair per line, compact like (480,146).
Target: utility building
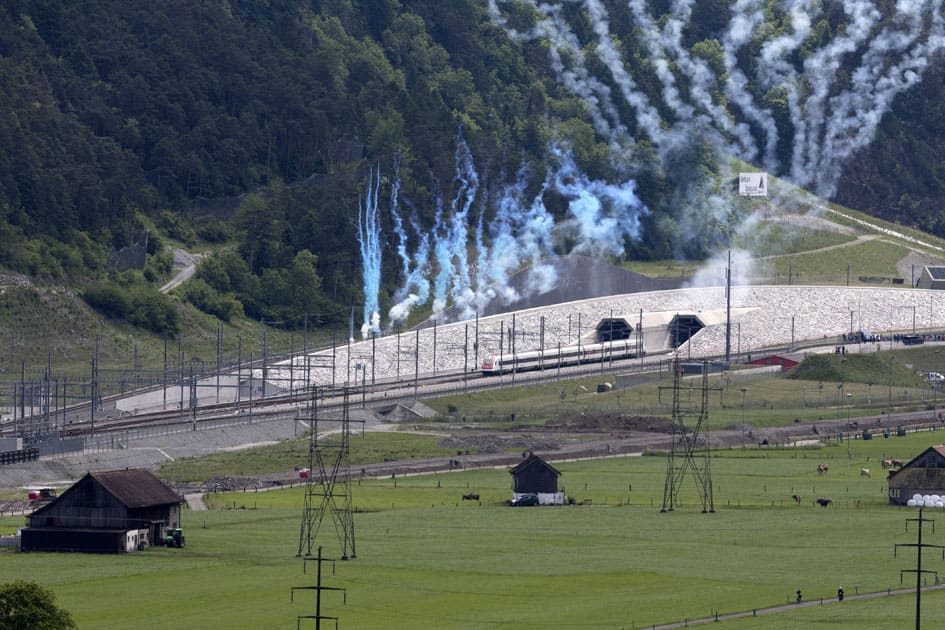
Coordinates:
(537,477)
(931,278)
(105,512)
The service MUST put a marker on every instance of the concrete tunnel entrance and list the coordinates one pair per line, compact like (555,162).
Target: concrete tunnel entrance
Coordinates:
(682,328)
(613,329)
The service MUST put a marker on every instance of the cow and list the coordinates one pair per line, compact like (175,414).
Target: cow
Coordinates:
(822,468)
(887,463)
(865,472)
(822,502)
(896,463)
(796,498)
(471,496)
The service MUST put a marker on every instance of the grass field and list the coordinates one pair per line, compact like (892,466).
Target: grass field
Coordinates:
(426,559)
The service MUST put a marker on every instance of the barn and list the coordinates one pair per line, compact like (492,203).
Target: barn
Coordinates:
(924,474)
(535,476)
(105,512)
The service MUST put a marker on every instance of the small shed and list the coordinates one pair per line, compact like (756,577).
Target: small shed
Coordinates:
(536,476)
(105,512)
(923,474)
(774,359)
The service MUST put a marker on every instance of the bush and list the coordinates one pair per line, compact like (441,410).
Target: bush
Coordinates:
(222,305)
(109,300)
(174,226)
(215,232)
(159,265)
(154,311)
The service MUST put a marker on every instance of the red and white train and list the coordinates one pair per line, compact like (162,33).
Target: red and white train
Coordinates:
(571,355)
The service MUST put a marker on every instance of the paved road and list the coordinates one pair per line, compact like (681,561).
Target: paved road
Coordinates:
(186,265)
(195,501)
(788,607)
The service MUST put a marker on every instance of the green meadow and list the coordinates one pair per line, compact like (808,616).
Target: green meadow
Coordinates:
(427,559)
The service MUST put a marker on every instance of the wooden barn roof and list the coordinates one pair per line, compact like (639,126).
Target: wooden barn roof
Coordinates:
(136,487)
(910,465)
(533,459)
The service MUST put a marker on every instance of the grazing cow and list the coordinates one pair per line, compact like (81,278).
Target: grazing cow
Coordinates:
(824,502)
(822,468)
(896,463)
(887,463)
(796,498)
(864,472)
(471,496)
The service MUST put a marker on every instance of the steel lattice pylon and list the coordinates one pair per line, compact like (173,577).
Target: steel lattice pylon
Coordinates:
(683,457)
(328,487)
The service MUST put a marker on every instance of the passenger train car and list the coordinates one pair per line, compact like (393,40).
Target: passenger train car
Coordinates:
(572,355)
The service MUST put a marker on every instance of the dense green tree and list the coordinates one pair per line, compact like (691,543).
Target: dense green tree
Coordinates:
(28,605)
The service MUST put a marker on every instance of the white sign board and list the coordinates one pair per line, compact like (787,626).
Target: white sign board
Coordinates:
(753,184)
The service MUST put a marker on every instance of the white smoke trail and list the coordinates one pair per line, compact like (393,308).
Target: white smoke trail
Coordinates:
(825,111)
(746,16)
(821,69)
(567,62)
(783,82)
(858,111)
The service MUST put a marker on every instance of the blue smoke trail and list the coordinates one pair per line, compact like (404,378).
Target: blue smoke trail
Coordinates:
(467,187)
(452,278)
(398,223)
(602,216)
(415,290)
(443,255)
(369,237)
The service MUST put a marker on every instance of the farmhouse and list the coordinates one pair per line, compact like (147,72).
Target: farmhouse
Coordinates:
(924,474)
(535,476)
(105,512)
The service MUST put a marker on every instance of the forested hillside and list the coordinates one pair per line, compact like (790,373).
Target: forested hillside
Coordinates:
(398,153)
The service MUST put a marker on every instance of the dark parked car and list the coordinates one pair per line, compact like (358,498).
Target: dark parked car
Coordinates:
(912,340)
(525,499)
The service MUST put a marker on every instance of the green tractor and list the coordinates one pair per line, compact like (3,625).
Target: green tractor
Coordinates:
(174,537)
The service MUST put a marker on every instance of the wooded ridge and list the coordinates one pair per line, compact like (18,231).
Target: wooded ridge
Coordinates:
(324,140)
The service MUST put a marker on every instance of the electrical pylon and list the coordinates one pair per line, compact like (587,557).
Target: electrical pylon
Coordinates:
(328,487)
(683,457)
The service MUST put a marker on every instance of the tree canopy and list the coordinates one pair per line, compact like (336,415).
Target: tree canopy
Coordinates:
(28,605)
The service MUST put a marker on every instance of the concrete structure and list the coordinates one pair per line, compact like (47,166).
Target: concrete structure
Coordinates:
(931,278)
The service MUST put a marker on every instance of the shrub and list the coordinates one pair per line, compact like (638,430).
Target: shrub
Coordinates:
(109,300)
(154,311)
(222,305)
